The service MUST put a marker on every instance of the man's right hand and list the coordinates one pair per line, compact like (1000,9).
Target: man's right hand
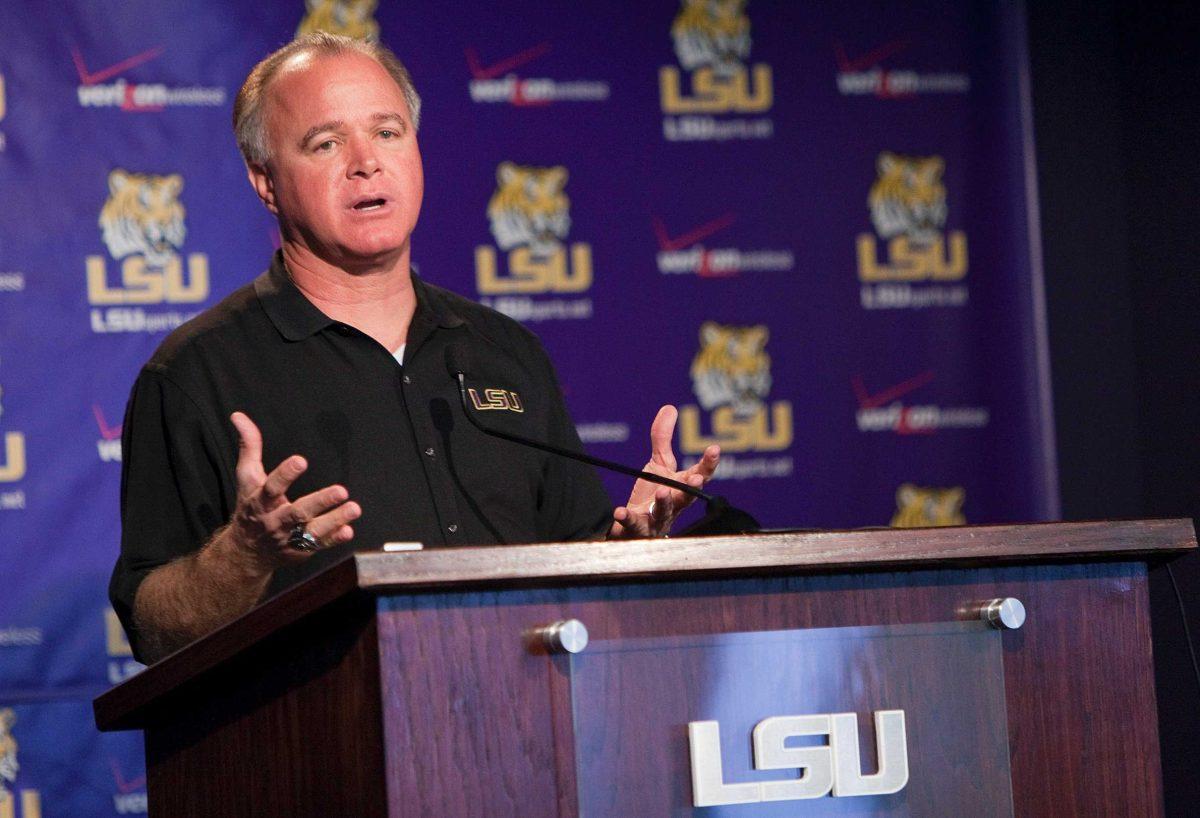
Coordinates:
(264,517)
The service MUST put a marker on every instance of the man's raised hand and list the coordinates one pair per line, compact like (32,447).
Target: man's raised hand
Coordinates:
(264,518)
(652,509)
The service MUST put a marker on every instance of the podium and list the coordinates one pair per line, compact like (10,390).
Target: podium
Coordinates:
(716,672)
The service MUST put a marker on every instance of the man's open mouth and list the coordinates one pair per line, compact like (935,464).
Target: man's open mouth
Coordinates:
(370,204)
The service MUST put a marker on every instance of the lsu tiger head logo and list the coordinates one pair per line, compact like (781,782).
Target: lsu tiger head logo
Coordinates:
(8,753)
(918,507)
(908,198)
(529,208)
(712,34)
(732,368)
(143,215)
(350,18)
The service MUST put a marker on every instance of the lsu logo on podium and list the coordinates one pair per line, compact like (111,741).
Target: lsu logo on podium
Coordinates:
(712,43)
(14,802)
(529,215)
(918,507)
(920,265)
(731,376)
(350,18)
(142,226)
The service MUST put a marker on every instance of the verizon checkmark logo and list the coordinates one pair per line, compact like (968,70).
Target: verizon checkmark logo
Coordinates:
(683,253)
(123,784)
(884,411)
(108,445)
(862,74)
(498,82)
(95,90)
(107,432)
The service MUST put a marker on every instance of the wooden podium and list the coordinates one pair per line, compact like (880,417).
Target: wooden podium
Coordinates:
(415,684)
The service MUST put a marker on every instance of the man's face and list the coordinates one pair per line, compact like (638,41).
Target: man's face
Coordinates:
(344,175)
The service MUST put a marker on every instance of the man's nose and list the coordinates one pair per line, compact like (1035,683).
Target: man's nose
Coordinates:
(361,158)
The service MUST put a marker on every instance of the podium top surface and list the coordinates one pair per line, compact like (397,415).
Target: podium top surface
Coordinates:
(586,563)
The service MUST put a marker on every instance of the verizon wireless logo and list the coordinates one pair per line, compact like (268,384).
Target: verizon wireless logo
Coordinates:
(686,254)
(885,411)
(499,82)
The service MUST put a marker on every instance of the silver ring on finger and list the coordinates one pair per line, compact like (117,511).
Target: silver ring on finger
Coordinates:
(301,539)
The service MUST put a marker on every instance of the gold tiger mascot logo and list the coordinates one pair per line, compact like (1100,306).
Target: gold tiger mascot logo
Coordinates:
(8,754)
(529,208)
(712,34)
(918,507)
(143,216)
(350,18)
(732,368)
(908,198)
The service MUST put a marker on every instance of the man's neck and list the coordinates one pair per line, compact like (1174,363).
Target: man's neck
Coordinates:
(377,300)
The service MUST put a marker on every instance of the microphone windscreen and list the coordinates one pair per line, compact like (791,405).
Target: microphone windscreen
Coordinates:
(458,360)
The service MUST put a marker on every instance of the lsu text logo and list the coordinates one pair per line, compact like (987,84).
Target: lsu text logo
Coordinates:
(144,97)
(829,769)
(920,264)
(498,82)
(350,18)
(12,468)
(918,507)
(30,801)
(884,411)
(731,376)
(685,255)
(864,75)
(530,218)
(121,664)
(503,399)
(142,226)
(712,41)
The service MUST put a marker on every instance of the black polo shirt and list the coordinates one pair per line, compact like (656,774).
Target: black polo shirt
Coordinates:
(395,436)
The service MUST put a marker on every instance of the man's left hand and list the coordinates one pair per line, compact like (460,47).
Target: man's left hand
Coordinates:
(651,509)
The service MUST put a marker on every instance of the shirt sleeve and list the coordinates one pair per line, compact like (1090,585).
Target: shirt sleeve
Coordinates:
(573,504)
(172,495)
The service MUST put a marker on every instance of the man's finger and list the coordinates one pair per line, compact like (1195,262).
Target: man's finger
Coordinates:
(662,431)
(250,470)
(327,526)
(316,504)
(281,479)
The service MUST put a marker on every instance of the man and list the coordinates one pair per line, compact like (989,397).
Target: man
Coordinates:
(338,352)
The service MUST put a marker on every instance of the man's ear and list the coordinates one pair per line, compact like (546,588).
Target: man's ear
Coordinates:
(263,185)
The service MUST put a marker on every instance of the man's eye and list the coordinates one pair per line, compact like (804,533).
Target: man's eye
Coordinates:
(327,145)
(388,133)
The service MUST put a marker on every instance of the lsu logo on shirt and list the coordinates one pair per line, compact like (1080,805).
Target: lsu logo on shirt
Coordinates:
(712,44)
(731,377)
(141,223)
(918,507)
(14,802)
(350,18)
(908,209)
(529,216)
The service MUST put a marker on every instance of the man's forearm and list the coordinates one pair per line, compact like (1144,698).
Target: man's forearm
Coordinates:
(183,600)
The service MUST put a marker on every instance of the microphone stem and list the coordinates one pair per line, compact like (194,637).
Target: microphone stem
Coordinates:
(586,458)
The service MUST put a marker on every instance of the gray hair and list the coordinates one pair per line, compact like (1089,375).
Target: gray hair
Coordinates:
(248,124)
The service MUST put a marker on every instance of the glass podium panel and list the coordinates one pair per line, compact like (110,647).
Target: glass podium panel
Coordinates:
(882,720)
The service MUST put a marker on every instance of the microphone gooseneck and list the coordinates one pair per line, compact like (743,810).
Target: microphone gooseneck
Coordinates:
(721,518)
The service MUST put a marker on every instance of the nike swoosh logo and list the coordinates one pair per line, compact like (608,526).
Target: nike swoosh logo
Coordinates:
(91,78)
(669,244)
(489,72)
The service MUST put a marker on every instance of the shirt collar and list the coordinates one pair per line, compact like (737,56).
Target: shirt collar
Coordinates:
(297,318)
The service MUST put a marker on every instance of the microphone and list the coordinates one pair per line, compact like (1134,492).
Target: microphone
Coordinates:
(720,516)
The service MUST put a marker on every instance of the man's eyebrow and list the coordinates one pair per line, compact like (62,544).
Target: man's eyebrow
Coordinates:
(324,126)
(389,116)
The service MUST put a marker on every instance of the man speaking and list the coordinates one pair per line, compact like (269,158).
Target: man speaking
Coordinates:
(311,411)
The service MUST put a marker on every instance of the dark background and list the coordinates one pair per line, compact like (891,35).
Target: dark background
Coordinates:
(1115,93)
